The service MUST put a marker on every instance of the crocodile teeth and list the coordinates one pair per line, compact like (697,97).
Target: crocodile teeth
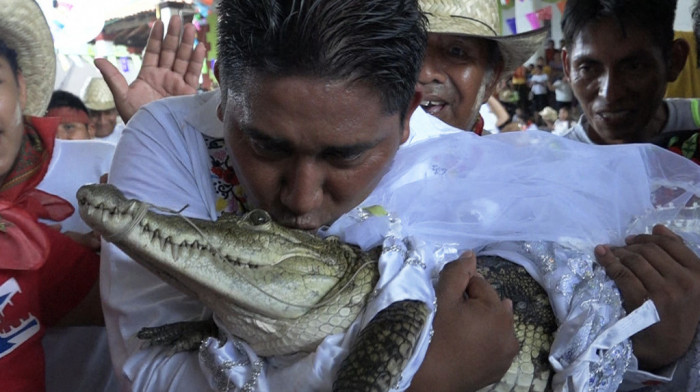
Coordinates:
(175,249)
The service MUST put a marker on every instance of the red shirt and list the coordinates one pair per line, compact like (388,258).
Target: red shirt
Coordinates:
(43,273)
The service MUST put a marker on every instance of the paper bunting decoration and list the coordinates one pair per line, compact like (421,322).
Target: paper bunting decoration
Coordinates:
(534,21)
(561,5)
(544,13)
(511,24)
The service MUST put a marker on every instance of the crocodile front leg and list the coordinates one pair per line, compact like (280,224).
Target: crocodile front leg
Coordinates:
(383,348)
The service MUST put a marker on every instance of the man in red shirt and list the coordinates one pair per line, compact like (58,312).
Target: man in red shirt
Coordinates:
(46,278)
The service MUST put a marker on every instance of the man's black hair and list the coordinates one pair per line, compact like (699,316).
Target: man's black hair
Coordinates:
(61,99)
(10,55)
(377,43)
(655,16)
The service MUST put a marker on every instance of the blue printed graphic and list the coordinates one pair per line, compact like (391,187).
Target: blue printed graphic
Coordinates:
(28,327)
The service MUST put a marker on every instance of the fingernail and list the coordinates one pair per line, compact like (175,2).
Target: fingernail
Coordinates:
(600,250)
(469,253)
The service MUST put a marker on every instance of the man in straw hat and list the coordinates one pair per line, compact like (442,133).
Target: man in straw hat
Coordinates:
(466,58)
(102,110)
(44,275)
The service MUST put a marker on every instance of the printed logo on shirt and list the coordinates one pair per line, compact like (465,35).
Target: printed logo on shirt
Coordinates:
(14,336)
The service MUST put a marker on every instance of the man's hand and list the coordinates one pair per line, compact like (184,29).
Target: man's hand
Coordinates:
(170,67)
(89,240)
(661,267)
(474,340)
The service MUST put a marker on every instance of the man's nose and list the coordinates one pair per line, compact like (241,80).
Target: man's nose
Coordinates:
(611,86)
(302,188)
(431,72)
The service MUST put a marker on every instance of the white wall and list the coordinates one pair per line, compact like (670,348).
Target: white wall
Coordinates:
(684,22)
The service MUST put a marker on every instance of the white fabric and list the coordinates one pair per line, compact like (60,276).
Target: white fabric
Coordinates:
(561,127)
(77,358)
(447,190)
(75,163)
(113,137)
(539,84)
(680,118)
(490,119)
(562,91)
(161,158)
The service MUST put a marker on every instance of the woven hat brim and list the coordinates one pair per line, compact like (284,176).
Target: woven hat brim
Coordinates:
(516,49)
(100,106)
(25,30)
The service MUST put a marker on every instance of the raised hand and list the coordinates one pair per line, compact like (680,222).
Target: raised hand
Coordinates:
(170,67)
(661,267)
(474,340)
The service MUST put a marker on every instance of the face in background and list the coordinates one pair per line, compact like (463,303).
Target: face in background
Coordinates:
(75,131)
(564,113)
(620,80)
(456,78)
(12,100)
(310,156)
(103,121)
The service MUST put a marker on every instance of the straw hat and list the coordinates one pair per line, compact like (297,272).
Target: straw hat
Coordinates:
(481,18)
(98,96)
(24,29)
(549,114)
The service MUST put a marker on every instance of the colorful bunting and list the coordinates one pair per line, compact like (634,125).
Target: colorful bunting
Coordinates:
(561,5)
(544,13)
(511,24)
(534,21)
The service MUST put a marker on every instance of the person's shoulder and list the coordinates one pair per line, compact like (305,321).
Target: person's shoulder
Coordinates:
(683,114)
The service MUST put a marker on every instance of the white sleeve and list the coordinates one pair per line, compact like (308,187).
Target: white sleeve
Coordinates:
(160,163)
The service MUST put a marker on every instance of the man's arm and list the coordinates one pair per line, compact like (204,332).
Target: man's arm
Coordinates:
(156,162)
(471,321)
(170,67)
(657,266)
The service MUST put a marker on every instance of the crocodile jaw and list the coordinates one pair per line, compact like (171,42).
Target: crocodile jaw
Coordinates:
(265,269)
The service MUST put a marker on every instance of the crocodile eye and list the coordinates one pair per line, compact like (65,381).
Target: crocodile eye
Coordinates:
(258,217)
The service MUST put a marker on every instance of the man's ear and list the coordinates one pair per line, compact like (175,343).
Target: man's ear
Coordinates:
(222,99)
(565,62)
(22,89)
(220,110)
(406,126)
(493,83)
(677,59)
(216,72)
(91,130)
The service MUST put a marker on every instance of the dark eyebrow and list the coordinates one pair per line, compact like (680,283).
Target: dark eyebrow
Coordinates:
(285,145)
(260,136)
(344,151)
(638,54)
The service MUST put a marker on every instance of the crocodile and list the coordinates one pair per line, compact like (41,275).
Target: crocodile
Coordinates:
(283,291)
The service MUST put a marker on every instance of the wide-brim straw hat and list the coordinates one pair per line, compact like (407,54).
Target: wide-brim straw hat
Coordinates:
(481,18)
(549,114)
(24,29)
(98,96)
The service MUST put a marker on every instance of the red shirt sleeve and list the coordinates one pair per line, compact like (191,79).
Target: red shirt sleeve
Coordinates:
(69,273)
